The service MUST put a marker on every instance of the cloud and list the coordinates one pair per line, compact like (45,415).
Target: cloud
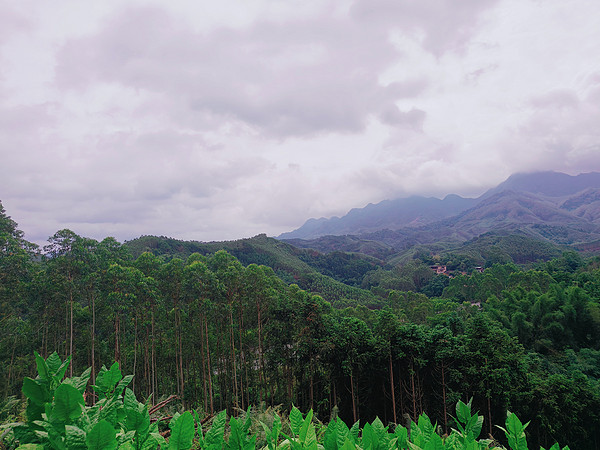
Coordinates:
(295,78)
(227,120)
(441,26)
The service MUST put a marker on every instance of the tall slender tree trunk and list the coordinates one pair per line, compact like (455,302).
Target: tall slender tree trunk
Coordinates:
(67,329)
(10,368)
(489,408)
(71,325)
(203,356)
(242,358)
(392,387)
(312,387)
(412,386)
(235,385)
(154,377)
(210,389)
(354,413)
(182,384)
(444,399)
(93,344)
(134,353)
(117,349)
(147,369)
(261,363)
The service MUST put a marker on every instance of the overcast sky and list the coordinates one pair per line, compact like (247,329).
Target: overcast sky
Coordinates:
(214,120)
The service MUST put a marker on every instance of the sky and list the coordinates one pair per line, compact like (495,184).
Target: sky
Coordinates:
(219,120)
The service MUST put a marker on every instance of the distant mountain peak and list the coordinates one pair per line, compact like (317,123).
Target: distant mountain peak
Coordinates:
(528,198)
(548,183)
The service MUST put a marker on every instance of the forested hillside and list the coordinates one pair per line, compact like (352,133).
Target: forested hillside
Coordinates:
(222,332)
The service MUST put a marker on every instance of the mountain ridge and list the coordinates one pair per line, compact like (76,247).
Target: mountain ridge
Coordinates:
(539,198)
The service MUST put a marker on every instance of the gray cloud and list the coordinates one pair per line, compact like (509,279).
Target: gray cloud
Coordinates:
(445,25)
(284,79)
(220,122)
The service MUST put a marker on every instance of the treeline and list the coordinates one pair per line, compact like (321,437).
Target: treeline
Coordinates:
(222,335)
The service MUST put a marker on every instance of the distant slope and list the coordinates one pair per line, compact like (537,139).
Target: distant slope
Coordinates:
(334,276)
(550,184)
(347,243)
(388,214)
(505,247)
(508,207)
(550,206)
(585,204)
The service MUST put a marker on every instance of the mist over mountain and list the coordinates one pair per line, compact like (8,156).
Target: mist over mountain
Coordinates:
(551,206)
(551,184)
(413,211)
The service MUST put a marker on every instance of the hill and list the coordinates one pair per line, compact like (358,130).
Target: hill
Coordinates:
(335,275)
(388,214)
(549,206)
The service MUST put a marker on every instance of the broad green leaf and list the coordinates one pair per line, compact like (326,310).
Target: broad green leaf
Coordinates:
(473,426)
(463,411)
(62,369)
(296,420)
(34,411)
(123,384)
(130,402)
(310,439)
(123,438)
(369,438)
(108,378)
(75,437)
(434,443)
(305,426)
(79,383)
(515,432)
(378,427)
(247,421)
(154,440)
(425,425)
(35,391)
(110,412)
(42,367)
(402,435)
(198,427)
(268,436)
(214,436)
(102,437)
(330,438)
(348,445)
(343,433)
(236,438)
(353,433)
(68,403)
(30,447)
(182,432)
(54,364)
(416,435)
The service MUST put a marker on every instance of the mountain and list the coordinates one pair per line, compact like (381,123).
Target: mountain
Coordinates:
(543,199)
(389,214)
(335,275)
(550,184)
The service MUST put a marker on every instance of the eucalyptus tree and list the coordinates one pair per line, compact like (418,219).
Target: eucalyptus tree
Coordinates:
(201,287)
(16,274)
(229,271)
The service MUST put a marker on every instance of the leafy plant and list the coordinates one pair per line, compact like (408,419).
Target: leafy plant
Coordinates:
(58,418)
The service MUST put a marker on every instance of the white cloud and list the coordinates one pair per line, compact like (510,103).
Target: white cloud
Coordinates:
(223,120)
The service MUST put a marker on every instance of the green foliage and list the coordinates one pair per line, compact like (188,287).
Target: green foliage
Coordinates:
(58,418)
(222,335)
